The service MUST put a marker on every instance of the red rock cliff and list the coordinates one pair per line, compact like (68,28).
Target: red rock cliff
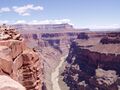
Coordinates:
(19,62)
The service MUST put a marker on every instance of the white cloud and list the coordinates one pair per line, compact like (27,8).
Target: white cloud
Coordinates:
(50,21)
(21,10)
(60,21)
(4,9)
(4,21)
(24,10)
(103,26)
(20,22)
(25,14)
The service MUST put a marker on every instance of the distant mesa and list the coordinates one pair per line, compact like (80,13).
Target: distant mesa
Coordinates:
(65,27)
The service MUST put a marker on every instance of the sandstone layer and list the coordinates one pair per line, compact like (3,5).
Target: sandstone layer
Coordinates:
(17,61)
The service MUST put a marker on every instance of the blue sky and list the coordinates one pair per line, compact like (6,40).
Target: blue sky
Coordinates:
(81,13)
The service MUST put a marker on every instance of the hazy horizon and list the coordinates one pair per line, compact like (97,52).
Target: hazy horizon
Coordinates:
(80,13)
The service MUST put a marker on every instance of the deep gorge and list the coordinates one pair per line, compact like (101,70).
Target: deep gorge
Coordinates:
(89,54)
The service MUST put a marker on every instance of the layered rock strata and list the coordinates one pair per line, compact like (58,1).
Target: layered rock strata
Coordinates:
(92,65)
(51,43)
(19,62)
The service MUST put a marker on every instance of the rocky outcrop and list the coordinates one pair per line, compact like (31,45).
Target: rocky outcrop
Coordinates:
(105,80)
(111,38)
(19,62)
(82,35)
(27,70)
(92,65)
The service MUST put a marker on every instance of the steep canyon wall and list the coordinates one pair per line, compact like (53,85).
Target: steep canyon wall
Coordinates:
(93,63)
(18,61)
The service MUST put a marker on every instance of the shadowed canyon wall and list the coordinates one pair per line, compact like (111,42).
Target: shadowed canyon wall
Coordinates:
(93,63)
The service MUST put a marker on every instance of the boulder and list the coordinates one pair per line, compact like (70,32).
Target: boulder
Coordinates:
(4,37)
(5,60)
(106,77)
(16,46)
(105,80)
(6,83)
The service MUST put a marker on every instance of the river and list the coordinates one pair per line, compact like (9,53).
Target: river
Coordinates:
(55,75)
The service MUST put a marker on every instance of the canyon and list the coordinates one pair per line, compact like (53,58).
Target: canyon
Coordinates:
(60,57)
(52,42)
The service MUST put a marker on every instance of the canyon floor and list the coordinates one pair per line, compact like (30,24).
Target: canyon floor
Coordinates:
(56,74)
(62,84)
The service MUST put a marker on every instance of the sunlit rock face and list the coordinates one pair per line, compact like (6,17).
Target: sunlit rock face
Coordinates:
(92,64)
(17,61)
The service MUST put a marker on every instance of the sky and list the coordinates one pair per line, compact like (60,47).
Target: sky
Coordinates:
(80,13)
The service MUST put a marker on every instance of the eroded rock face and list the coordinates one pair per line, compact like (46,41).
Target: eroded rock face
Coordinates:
(106,80)
(92,65)
(19,62)
(111,38)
